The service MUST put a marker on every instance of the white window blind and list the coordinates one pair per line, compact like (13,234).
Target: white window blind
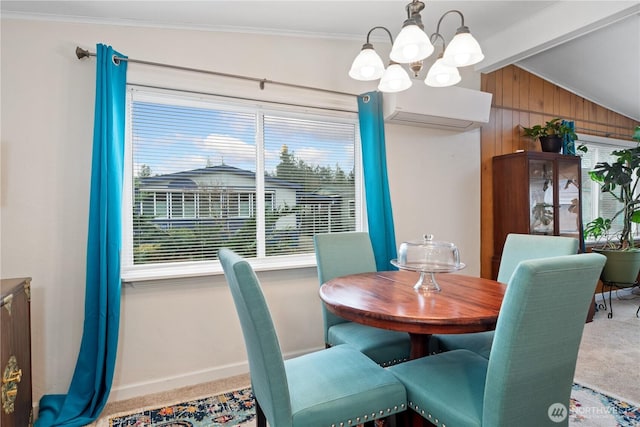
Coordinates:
(207,174)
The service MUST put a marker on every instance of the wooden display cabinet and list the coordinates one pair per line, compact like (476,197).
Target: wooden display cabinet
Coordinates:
(16,409)
(535,193)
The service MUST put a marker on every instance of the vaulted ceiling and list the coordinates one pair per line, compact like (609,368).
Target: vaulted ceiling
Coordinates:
(591,48)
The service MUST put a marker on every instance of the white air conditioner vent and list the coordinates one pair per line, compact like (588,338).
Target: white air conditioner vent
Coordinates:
(452,108)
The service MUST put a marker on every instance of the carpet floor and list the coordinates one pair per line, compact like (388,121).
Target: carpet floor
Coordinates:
(610,349)
(588,408)
(606,393)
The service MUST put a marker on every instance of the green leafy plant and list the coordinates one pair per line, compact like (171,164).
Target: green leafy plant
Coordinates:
(598,228)
(552,127)
(620,178)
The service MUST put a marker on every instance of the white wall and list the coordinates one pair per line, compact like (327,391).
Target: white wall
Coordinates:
(180,332)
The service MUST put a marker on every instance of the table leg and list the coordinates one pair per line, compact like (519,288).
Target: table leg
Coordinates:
(419,348)
(410,418)
(419,345)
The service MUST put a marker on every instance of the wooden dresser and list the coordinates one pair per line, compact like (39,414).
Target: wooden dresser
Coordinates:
(15,351)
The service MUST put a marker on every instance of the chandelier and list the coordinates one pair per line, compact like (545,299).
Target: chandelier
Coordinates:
(412,46)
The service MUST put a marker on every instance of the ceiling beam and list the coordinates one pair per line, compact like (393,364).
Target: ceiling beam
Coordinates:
(552,26)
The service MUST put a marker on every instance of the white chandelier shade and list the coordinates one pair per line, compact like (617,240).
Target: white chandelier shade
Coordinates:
(463,50)
(367,65)
(412,44)
(442,75)
(394,79)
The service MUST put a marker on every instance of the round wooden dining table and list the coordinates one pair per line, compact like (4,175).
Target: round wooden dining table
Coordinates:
(388,300)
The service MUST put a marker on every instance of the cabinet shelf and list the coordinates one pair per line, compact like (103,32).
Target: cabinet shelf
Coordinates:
(535,193)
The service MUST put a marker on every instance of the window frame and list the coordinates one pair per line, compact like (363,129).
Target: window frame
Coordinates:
(171,270)
(594,186)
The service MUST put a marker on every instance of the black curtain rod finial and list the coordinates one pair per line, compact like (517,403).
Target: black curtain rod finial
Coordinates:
(82,53)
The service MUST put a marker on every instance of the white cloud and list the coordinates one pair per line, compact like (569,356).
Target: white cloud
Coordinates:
(223,148)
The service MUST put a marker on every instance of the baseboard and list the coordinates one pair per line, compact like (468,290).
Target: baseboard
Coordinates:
(158,385)
(187,379)
(130,391)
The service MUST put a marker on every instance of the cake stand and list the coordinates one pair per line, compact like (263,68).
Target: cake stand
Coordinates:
(427,281)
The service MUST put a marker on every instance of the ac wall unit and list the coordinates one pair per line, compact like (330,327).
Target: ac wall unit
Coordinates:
(451,108)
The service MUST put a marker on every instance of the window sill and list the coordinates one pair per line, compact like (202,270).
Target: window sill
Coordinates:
(152,272)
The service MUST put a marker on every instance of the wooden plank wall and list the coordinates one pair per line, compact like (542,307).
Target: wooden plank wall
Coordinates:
(523,99)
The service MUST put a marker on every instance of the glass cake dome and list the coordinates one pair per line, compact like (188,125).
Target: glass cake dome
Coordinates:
(428,256)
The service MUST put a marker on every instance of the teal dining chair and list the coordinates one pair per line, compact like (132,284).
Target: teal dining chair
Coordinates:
(517,247)
(338,386)
(526,381)
(341,254)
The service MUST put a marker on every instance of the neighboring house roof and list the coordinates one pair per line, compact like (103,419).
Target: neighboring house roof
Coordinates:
(185,179)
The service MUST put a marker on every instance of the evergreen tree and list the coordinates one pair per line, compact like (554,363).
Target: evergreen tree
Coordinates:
(145,171)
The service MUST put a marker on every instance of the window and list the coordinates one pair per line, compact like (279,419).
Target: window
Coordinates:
(205,174)
(594,202)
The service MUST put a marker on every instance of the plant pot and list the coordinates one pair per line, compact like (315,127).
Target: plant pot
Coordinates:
(551,143)
(622,267)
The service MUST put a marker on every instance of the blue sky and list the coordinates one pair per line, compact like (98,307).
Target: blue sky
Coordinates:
(172,138)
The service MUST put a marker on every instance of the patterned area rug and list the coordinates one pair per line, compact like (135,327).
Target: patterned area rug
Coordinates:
(235,408)
(588,408)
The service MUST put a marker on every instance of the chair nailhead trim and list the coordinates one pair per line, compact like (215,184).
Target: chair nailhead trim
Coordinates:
(365,417)
(393,362)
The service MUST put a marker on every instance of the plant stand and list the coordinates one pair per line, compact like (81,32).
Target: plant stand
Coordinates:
(611,285)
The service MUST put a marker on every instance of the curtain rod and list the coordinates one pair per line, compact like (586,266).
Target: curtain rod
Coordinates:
(83,53)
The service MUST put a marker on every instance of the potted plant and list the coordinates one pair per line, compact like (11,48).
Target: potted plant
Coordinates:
(551,134)
(619,178)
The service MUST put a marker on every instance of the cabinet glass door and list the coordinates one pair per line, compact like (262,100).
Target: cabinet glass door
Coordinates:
(541,183)
(568,198)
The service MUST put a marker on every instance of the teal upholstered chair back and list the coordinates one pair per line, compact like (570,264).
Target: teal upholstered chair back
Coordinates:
(537,336)
(268,376)
(517,248)
(340,254)
(520,247)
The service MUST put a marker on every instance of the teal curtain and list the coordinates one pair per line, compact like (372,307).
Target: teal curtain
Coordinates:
(376,183)
(91,382)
